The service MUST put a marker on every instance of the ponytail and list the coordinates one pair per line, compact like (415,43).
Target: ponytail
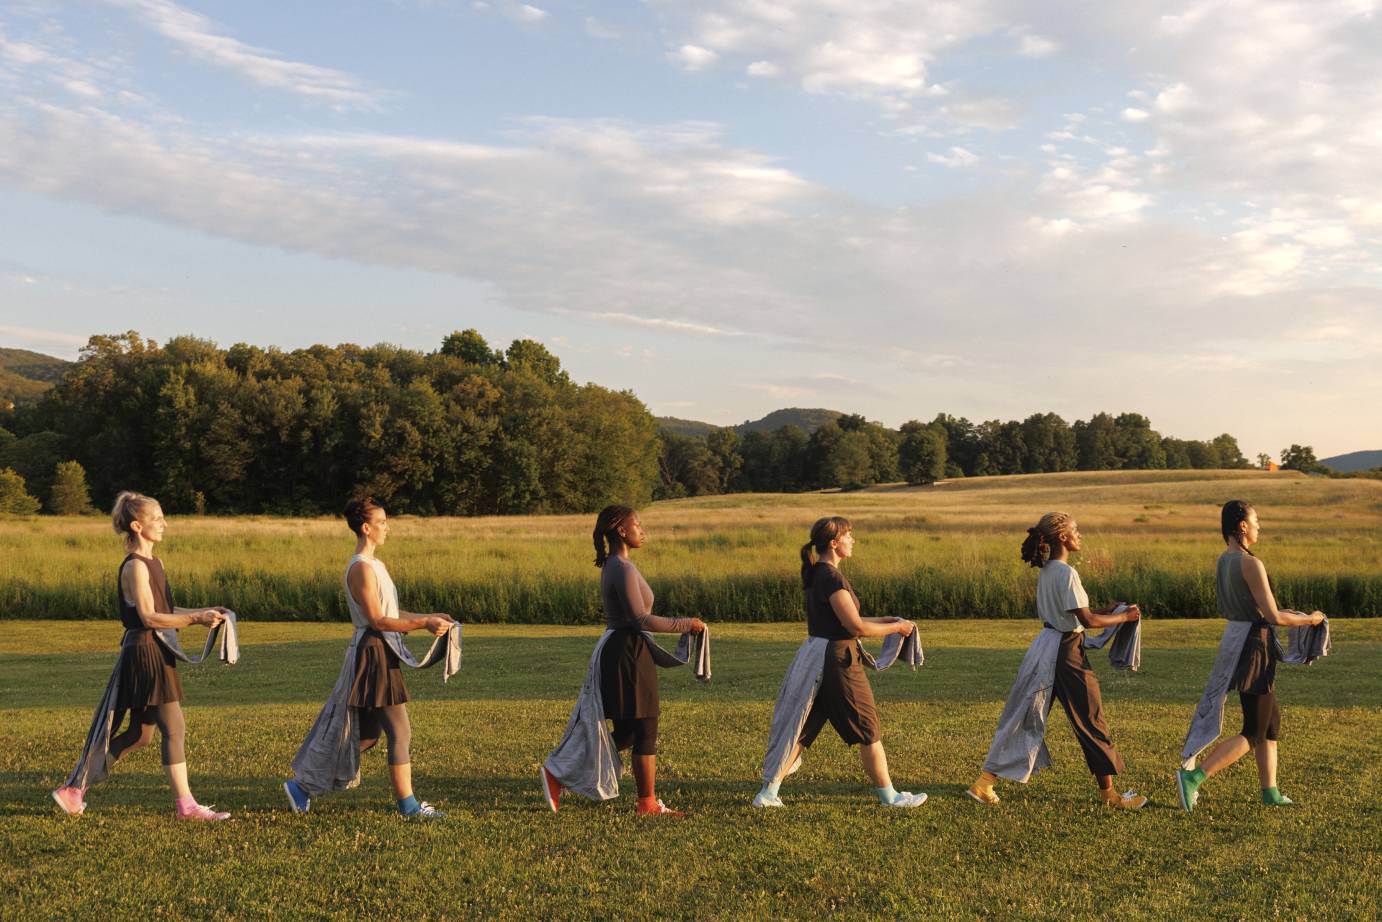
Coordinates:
(1036,549)
(823,532)
(607,530)
(128,505)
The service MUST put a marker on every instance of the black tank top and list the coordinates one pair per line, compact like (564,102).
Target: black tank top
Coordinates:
(158,583)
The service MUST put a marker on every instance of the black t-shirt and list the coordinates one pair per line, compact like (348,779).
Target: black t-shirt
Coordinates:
(821,620)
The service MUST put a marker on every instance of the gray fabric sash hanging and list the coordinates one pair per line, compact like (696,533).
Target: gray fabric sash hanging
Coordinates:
(803,679)
(329,758)
(1019,744)
(586,760)
(1304,645)
(93,765)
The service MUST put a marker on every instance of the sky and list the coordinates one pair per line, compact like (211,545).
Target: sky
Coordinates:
(989,208)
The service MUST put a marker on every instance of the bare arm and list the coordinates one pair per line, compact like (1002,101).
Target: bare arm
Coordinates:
(134,583)
(364,588)
(842,604)
(640,612)
(1256,576)
(1104,617)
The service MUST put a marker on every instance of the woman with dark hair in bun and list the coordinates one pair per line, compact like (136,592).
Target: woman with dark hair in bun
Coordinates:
(1056,664)
(369,699)
(1249,649)
(627,673)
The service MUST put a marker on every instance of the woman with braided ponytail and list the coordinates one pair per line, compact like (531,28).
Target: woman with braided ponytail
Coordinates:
(1056,663)
(627,673)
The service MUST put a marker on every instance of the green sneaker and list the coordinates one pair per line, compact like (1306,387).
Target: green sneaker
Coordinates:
(1271,797)
(1188,786)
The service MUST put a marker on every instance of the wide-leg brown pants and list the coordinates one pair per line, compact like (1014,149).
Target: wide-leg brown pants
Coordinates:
(1077,689)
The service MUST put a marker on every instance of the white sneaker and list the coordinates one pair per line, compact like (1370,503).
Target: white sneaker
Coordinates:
(763,799)
(908,799)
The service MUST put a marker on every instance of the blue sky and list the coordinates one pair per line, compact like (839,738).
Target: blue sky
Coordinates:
(989,208)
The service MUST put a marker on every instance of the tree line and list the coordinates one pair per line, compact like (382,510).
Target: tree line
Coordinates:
(854,452)
(471,430)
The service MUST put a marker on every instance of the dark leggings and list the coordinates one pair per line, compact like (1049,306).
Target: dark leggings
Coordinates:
(168,719)
(1261,718)
(393,720)
(638,732)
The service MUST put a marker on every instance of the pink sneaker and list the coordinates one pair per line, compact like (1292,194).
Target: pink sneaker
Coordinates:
(202,814)
(70,800)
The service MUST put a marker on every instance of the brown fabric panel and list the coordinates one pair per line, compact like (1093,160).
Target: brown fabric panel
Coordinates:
(844,699)
(628,677)
(148,674)
(1077,689)
(378,681)
(1256,670)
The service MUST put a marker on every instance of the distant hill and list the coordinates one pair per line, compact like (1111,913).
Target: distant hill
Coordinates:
(1354,461)
(689,427)
(808,420)
(25,375)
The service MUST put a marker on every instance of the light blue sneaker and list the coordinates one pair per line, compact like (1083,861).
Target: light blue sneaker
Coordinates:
(424,811)
(297,797)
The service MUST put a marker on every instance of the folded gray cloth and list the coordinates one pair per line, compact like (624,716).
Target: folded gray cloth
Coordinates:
(1305,645)
(803,679)
(1019,744)
(586,760)
(329,758)
(93,764)
(1124,642)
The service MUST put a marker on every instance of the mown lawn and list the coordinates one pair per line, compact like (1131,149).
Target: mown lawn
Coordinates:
(1046,852)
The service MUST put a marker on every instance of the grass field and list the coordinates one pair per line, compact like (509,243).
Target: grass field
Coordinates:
(1046,852)
(948,551)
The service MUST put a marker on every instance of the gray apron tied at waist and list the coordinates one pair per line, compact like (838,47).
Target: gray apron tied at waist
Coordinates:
(1019,744)
(93,765)
(803,679)
(586,760)
(1304,645)
(329,758)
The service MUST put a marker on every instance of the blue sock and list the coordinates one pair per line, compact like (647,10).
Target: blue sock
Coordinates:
(408,805)
(886,795)
(770,788)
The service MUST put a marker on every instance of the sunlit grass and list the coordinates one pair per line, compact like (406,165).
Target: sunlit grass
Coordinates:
(945,551)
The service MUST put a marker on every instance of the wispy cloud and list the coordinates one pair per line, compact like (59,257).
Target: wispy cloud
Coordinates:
(198,36)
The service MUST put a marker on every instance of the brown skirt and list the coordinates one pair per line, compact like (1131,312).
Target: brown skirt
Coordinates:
(1256,671)
(148,675)
(378,679)
(844,699)
(628,677)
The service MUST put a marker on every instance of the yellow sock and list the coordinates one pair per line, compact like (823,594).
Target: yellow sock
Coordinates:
(986,781)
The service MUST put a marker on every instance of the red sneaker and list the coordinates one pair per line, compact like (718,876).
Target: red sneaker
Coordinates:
(651,806)
(551,789)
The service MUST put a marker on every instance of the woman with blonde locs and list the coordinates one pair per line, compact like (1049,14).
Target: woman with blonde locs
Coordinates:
(1245,595)
(149,688)
(843,697)
(1056,662)
(627,672)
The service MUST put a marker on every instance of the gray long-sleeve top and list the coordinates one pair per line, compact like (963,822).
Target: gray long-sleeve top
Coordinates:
(628,600)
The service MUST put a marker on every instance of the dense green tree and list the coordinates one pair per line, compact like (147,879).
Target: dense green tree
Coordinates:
(1301,458)
(470,347)
(1229,453)
(921,452)
(1136,445)
(724,445)
(14,498)
(69,494)
(1095,447)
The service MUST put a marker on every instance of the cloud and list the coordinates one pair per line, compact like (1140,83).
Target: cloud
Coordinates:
(694,57)
(955,157)
(1131,114)
(1036,46)
(763,69)
(196,35)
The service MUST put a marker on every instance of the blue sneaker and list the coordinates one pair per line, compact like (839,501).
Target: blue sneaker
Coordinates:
(424,811)
(297,797)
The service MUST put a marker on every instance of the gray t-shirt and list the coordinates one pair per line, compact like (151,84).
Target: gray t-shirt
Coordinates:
(1059,590)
